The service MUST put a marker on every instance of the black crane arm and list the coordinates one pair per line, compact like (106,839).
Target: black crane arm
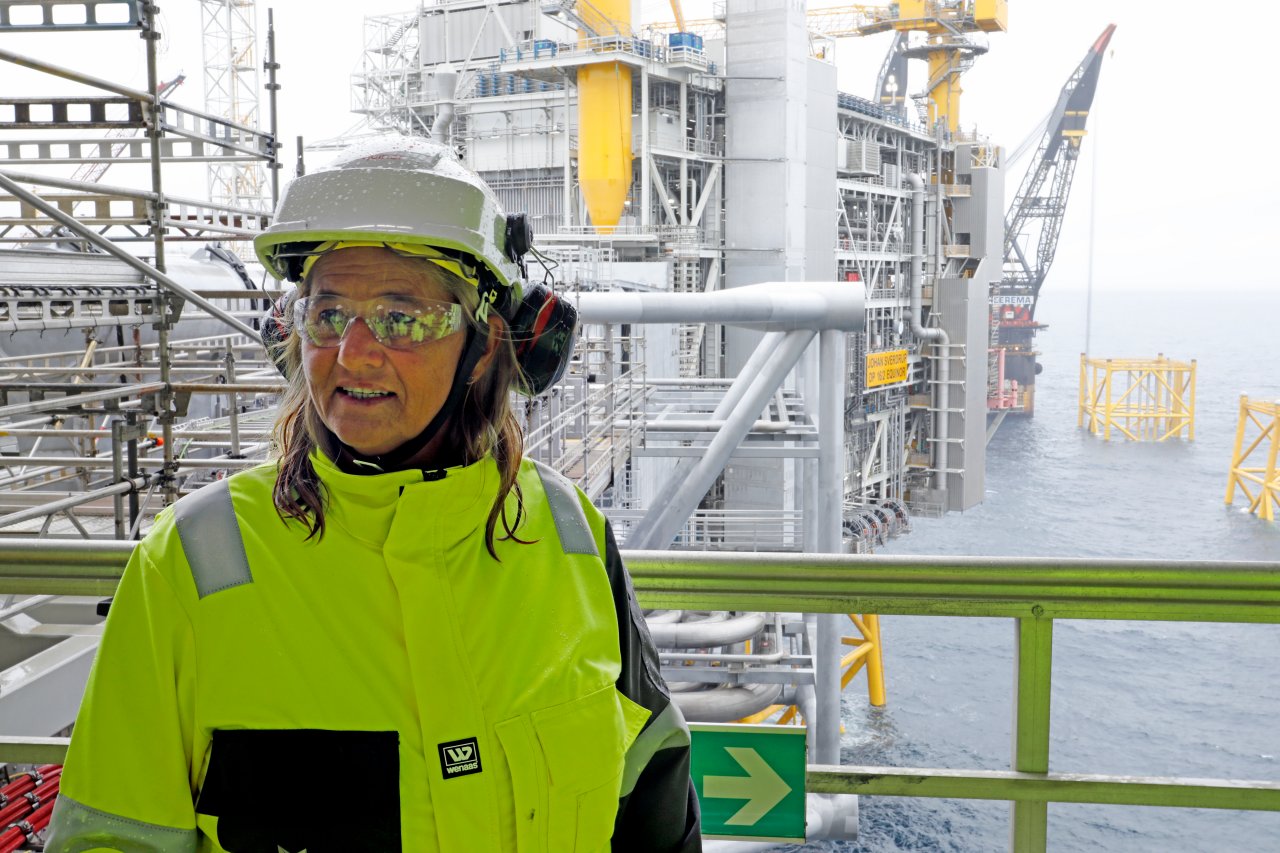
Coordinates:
(1053,166)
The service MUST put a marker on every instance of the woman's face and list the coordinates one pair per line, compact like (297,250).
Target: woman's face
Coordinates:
(372,397)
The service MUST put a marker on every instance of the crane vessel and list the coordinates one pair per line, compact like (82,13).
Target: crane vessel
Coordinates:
(1032,227)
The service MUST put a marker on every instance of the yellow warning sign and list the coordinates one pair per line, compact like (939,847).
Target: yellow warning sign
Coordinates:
(886,368)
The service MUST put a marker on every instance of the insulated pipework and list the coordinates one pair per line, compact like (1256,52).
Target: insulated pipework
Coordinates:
(936,335)
(446,88)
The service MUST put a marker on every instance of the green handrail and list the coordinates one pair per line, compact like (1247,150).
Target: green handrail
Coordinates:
(1032,591)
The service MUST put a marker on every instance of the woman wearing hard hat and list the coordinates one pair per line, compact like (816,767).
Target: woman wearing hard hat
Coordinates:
(399,634)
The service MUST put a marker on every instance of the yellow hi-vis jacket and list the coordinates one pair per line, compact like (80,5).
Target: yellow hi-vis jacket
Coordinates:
(388,686)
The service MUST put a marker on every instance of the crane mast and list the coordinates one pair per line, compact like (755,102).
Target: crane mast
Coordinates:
(1032,227)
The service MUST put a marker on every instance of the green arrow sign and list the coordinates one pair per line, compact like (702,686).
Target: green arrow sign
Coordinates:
(750,780)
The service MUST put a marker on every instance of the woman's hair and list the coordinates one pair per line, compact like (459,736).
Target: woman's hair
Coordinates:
(483,424)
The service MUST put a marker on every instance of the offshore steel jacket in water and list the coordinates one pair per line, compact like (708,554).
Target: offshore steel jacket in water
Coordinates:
(389,686)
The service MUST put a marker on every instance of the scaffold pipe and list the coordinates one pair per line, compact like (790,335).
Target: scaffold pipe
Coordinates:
(120,488)
(69,400)
(95,462)
(116,252)
(76,76)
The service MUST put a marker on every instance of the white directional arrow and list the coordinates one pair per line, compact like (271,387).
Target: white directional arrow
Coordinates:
(762,788)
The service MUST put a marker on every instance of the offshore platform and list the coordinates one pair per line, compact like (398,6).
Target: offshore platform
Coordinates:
(785,291)
(703,156)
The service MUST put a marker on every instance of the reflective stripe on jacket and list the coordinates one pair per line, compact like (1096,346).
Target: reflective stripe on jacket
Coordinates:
(388,686)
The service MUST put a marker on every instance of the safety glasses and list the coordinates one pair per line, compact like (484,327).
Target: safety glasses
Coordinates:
(397,322)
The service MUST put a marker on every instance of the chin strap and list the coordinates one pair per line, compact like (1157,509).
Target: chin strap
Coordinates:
(354,462)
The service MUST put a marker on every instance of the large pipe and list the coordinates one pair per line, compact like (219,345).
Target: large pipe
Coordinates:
(661,524)
(706,635)
(446,89)
(773,306)
(828,650)
(936,335)
(726,704)
(763,352)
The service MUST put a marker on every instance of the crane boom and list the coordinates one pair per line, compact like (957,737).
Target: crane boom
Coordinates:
(1053,168)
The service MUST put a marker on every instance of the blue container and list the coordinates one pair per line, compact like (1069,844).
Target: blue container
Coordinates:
(692,41)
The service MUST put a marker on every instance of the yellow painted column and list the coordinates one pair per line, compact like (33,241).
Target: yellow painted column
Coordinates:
(1269,484)
(944,99)
(604,119)
(875,666)
(1192,413)
(1107,411)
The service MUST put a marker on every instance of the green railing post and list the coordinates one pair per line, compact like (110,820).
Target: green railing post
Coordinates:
(1034,658)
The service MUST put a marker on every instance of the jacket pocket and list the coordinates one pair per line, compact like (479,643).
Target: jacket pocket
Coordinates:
(584,743)
(528,783)
(566,766)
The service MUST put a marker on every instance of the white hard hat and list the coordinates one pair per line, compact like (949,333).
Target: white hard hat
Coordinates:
(398,189)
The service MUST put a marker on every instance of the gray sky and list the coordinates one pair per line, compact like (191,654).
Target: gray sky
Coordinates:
(1185,198)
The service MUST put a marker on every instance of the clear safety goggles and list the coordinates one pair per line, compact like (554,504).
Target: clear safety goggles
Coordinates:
(397,322)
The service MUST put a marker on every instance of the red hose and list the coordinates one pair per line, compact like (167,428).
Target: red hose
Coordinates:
(39,819)
(16,789)
(22,830)
(45,793)
(15,836)
(11,839)
(15,811)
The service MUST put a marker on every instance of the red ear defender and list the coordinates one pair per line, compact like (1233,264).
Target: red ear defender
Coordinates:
(543,329)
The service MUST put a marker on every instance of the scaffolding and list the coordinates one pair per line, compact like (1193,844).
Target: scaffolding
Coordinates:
(1143,399)
(230,54)
(1265,417)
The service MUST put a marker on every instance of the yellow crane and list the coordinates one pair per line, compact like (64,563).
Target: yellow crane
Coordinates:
(946,46)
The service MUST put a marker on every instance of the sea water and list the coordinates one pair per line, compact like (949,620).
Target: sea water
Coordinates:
(1131,698)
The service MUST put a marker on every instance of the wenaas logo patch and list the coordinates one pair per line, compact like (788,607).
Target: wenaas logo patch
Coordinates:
(459,758)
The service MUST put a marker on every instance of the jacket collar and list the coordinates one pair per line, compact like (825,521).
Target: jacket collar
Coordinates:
(366,504)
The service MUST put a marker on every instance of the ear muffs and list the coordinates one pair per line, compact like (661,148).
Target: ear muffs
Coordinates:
(543,329)
(519,236)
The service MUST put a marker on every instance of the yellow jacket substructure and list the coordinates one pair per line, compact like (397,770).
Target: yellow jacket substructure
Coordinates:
(389,686)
